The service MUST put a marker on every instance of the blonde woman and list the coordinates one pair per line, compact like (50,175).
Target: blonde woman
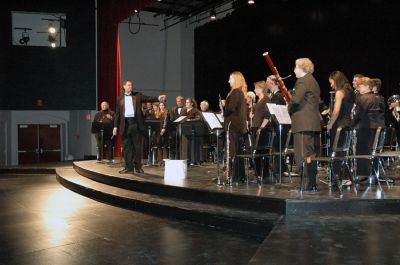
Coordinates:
(235,113)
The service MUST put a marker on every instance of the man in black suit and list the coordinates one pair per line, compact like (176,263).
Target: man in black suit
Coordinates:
(129,119)
(306,118)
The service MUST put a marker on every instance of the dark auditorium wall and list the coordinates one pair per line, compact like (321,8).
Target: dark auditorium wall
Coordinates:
(351,36)
(63,78)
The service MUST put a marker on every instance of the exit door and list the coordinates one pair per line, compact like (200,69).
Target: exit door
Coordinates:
(39,143)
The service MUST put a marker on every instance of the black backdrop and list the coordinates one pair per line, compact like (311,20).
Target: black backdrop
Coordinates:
(63,78)
(351,36)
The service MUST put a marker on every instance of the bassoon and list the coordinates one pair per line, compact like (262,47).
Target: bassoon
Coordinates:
(276,73)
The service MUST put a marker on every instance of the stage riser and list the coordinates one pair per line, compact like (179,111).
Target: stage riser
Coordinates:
(254,228)
(342,207)
(231,200)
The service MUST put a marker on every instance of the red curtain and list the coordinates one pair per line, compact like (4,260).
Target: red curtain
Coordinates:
(109,14)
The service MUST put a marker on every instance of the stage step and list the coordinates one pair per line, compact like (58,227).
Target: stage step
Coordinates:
(251,222)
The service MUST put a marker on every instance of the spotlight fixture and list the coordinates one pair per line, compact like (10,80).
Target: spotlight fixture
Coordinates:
(52,29)
(251,2)
(213,15)
(52,40)
(24,38)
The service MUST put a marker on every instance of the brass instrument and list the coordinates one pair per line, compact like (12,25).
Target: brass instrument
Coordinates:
(395,99)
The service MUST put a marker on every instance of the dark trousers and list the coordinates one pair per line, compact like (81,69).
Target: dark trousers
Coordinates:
(305,145)
(365,139)
(108,142)
(132,145)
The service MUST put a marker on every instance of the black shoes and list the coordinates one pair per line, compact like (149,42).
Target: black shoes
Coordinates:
(313,189)
(139,170)
(126,171)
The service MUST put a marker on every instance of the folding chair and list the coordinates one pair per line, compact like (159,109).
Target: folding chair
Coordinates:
(262,148)
(341,144)
(375,159)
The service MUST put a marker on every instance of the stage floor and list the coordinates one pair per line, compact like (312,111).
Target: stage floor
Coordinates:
(205,177)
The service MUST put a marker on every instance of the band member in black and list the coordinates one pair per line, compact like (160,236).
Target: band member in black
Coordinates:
(306,120)
(261,119)
(191,132)
(369,114)
(278,99)
(235,119)
(129,119)
(163,139)
(393,115)
(105,117)
(341,114)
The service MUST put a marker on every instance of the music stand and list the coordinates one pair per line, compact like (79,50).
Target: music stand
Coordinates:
(214,124)
(98,128)
(153,125)
(281,116)
(178,134)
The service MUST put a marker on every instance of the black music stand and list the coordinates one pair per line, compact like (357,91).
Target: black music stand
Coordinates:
(281,116)
(178,136)
(153,126)
(214,125)
(101,128)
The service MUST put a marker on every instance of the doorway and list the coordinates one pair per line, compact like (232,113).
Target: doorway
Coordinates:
(39,143)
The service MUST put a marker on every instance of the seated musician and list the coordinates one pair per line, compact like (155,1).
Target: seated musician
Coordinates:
(105,117)
(369,114)
(192,114)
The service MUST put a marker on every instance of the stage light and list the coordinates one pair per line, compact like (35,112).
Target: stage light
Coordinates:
(251,2)
(213,15)
(52,29)
(52,40)
(24,38)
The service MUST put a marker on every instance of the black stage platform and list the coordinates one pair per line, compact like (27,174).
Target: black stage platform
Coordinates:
(248,208)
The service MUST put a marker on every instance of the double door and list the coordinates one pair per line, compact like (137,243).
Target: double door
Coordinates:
(39,143)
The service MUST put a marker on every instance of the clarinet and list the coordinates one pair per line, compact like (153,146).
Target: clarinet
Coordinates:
(228,159)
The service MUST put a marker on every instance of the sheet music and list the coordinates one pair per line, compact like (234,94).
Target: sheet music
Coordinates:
(220,117)
(179,119)
(280,112)
(212,120)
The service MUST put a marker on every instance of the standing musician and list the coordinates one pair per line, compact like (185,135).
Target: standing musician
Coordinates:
(129,119)
(261,118)
(369,114)
(355,82)
(106,118)
(276,94)
(277,98)
(164,133)
(235,119)
(306,119)
(341,114)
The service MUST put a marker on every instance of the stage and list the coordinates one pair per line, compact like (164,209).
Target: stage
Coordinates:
(249,208)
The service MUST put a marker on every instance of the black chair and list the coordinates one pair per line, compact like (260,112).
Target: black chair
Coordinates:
(287,154)
(375,159)
(262,149)
(341,145)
